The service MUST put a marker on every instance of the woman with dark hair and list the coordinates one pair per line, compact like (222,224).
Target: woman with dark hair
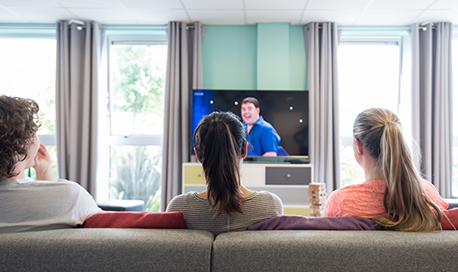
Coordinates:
(220,145)
(394,194)
(26,204)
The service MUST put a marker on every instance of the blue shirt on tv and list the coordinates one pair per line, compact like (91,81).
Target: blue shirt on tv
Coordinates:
(262,138)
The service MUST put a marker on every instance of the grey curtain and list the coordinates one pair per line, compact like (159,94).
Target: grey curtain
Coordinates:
(432,102)
(184,73)
(78,62)
(321,41)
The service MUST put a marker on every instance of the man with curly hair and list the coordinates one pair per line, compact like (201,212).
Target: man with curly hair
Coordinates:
(33,205)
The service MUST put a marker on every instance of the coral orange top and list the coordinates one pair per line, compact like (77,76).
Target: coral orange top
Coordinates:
(366,199)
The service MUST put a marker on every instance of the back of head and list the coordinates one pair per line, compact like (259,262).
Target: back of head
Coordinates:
(219,140)
(18,125)
(379,131)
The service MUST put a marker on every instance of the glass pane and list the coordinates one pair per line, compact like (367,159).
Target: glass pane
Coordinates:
(455,116)
(135,173)
(368,77)
(455,172)
(28,69)
(137,99)
(455,86)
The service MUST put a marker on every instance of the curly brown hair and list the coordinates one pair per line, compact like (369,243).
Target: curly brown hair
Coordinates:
(18,125)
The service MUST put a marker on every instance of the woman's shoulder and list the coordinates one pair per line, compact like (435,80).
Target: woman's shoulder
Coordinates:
(181,201)
(348,189)
(353,192)
(61,185)
(432,193)
(266,202)
(265,196)
(366,185)
(263,193)
(429,187)
(185,197)
(427,184)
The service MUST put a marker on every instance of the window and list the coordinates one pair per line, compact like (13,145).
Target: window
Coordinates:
(133,160)
(369,76)
(455,114)
(28,69)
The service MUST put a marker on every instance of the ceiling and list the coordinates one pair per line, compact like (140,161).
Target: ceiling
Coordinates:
(231,12)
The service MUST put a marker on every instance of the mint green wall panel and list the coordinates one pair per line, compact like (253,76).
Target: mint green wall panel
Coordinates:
(238,57)
(229,57)
(273,56)
(297,59)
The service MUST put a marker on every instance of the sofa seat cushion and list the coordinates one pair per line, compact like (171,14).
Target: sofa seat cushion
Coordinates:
(293,222)
(150,220)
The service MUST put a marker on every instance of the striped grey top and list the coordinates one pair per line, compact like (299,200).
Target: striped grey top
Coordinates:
(198,214)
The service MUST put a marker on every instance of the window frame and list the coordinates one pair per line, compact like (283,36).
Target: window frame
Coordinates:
(115,37)
(454,93)
(455,137)
(144,139)
(374,40)
(39,32)
(401,38)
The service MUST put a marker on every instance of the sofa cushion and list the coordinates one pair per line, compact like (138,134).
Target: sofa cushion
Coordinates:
(323,250)
(292,222)
(150,220)
(78,249)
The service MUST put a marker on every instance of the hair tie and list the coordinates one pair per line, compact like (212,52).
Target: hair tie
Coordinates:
(388,122)
(216,120)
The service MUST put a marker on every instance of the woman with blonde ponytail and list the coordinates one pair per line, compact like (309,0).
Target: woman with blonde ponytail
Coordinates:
(220,145)
(394,194)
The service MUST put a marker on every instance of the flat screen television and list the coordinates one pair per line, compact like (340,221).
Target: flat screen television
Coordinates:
(287,111)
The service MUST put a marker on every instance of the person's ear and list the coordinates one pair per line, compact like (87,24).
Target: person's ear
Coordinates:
(359,147)
(258,110)
(197,155)
(244,152)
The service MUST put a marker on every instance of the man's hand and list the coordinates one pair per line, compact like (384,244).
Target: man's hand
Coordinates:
(43,164)
(270,154)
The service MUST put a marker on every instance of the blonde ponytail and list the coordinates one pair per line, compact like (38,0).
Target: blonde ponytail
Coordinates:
(406,202)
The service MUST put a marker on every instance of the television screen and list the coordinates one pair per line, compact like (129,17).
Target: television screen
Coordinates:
(286,111)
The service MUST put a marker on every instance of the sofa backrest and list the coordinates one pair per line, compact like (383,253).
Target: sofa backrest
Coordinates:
(106,250)
(193,250)
(335,251)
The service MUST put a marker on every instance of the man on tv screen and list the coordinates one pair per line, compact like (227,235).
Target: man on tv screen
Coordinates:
(262,137)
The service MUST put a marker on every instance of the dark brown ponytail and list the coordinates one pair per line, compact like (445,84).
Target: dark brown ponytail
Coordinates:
(219,140)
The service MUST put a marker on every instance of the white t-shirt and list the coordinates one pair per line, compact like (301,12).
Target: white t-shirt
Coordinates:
(40,205)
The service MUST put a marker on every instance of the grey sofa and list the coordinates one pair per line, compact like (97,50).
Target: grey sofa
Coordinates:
(191,250)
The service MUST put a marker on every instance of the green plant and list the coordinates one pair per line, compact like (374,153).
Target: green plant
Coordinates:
(137,175)
(139,81)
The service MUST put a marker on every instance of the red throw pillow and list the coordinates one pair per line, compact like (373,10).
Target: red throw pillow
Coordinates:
(450,219)
(145,220)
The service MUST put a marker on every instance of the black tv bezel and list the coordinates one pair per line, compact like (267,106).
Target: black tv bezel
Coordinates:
(293,159)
